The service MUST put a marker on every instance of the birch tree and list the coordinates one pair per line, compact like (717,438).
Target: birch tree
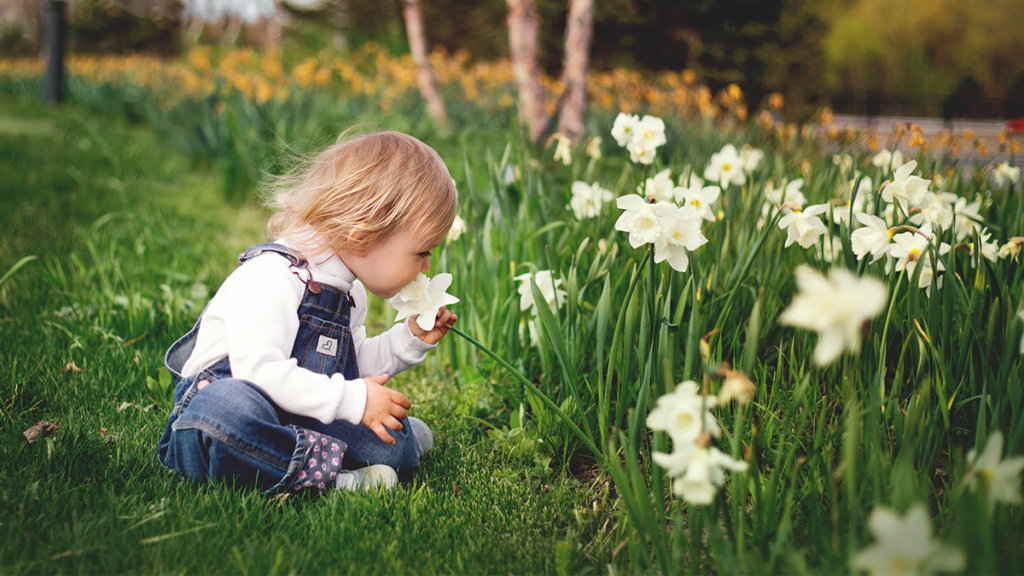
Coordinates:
(413,15)
(579,30)
(522,36)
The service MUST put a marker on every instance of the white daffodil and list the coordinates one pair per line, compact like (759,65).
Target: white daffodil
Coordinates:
(887,159)
(835,307)
(832,248)
(751,158)
(912,250)
(458,229)
(787,193)
(1012,248)
(804,226)
(865,192)
(641,220)
(936,209)
(641,137)
(548,288)
(650,131)
(680,233)
(1003,173)
(689,179)
(862,200)
(423,297)
(660,187)
(904,545)
(640,153)
(1021,316)
(1002,477)
(874,238)
(735,386)
(905,189)
(624,127)
(844,161)
(684,414)
(594,147)
(726,167)
(704,474)
(675,463)
(700,197)
(563,149)
(529,327)
(588,199)
(967,218)
(989,250)
(511,174)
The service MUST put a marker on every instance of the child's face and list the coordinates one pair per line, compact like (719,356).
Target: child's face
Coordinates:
(391,265)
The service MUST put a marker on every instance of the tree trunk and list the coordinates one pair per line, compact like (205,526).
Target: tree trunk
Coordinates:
(272,28)
(425,74)
(232,30)
(522,37)
(579,29)
(340,23)
(193,29)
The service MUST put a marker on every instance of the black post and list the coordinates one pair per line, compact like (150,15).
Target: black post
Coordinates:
(55,32)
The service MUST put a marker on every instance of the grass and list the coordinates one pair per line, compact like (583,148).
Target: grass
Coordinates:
(130,239)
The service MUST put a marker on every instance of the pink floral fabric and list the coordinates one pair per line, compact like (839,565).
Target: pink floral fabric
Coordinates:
(321,464)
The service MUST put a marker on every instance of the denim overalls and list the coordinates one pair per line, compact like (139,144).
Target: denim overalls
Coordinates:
(222,428)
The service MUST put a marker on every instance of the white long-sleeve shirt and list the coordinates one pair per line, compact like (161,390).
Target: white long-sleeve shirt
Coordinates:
(253,321)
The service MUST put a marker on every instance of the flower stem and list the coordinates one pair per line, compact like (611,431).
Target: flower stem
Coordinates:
(544,398)
(885,333)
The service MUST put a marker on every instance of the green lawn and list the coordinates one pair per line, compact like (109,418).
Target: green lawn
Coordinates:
(130,240)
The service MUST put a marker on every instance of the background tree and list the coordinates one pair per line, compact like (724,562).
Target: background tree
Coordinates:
(523,28)
(424,73)
(913,55)
(579,30)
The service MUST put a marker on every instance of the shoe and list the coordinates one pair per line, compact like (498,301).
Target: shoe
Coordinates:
(424,436)
(365,479)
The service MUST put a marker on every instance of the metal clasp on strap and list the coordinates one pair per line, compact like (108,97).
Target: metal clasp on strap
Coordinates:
(313,285)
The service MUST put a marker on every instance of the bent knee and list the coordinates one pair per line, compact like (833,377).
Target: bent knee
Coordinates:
(230,398)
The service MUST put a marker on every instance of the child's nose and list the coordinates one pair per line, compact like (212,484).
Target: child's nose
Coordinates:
(425,266)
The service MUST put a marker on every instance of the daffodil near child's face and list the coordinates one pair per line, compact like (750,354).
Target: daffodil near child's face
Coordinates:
(391,265)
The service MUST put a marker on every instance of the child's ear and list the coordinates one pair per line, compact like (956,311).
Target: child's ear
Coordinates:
(354,237)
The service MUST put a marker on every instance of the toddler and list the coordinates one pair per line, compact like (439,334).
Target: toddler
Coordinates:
(277,385)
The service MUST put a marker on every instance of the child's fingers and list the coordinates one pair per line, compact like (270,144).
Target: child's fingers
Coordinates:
(382,433)
(444,318)
(399,413)
(399,399)
(394,423)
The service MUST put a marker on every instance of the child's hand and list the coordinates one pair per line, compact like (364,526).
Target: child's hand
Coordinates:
(442,323)
(384,407)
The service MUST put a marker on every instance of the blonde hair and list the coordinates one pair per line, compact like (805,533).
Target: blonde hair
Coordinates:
(362,189)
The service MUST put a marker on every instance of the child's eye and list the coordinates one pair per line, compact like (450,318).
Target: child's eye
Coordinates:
(425,254)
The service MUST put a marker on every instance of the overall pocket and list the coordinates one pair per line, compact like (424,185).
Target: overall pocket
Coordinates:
(322,346)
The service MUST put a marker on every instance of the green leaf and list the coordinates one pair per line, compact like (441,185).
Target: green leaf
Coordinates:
(17,265)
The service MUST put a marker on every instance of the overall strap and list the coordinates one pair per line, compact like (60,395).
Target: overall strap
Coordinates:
(297,262)
(265,247)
